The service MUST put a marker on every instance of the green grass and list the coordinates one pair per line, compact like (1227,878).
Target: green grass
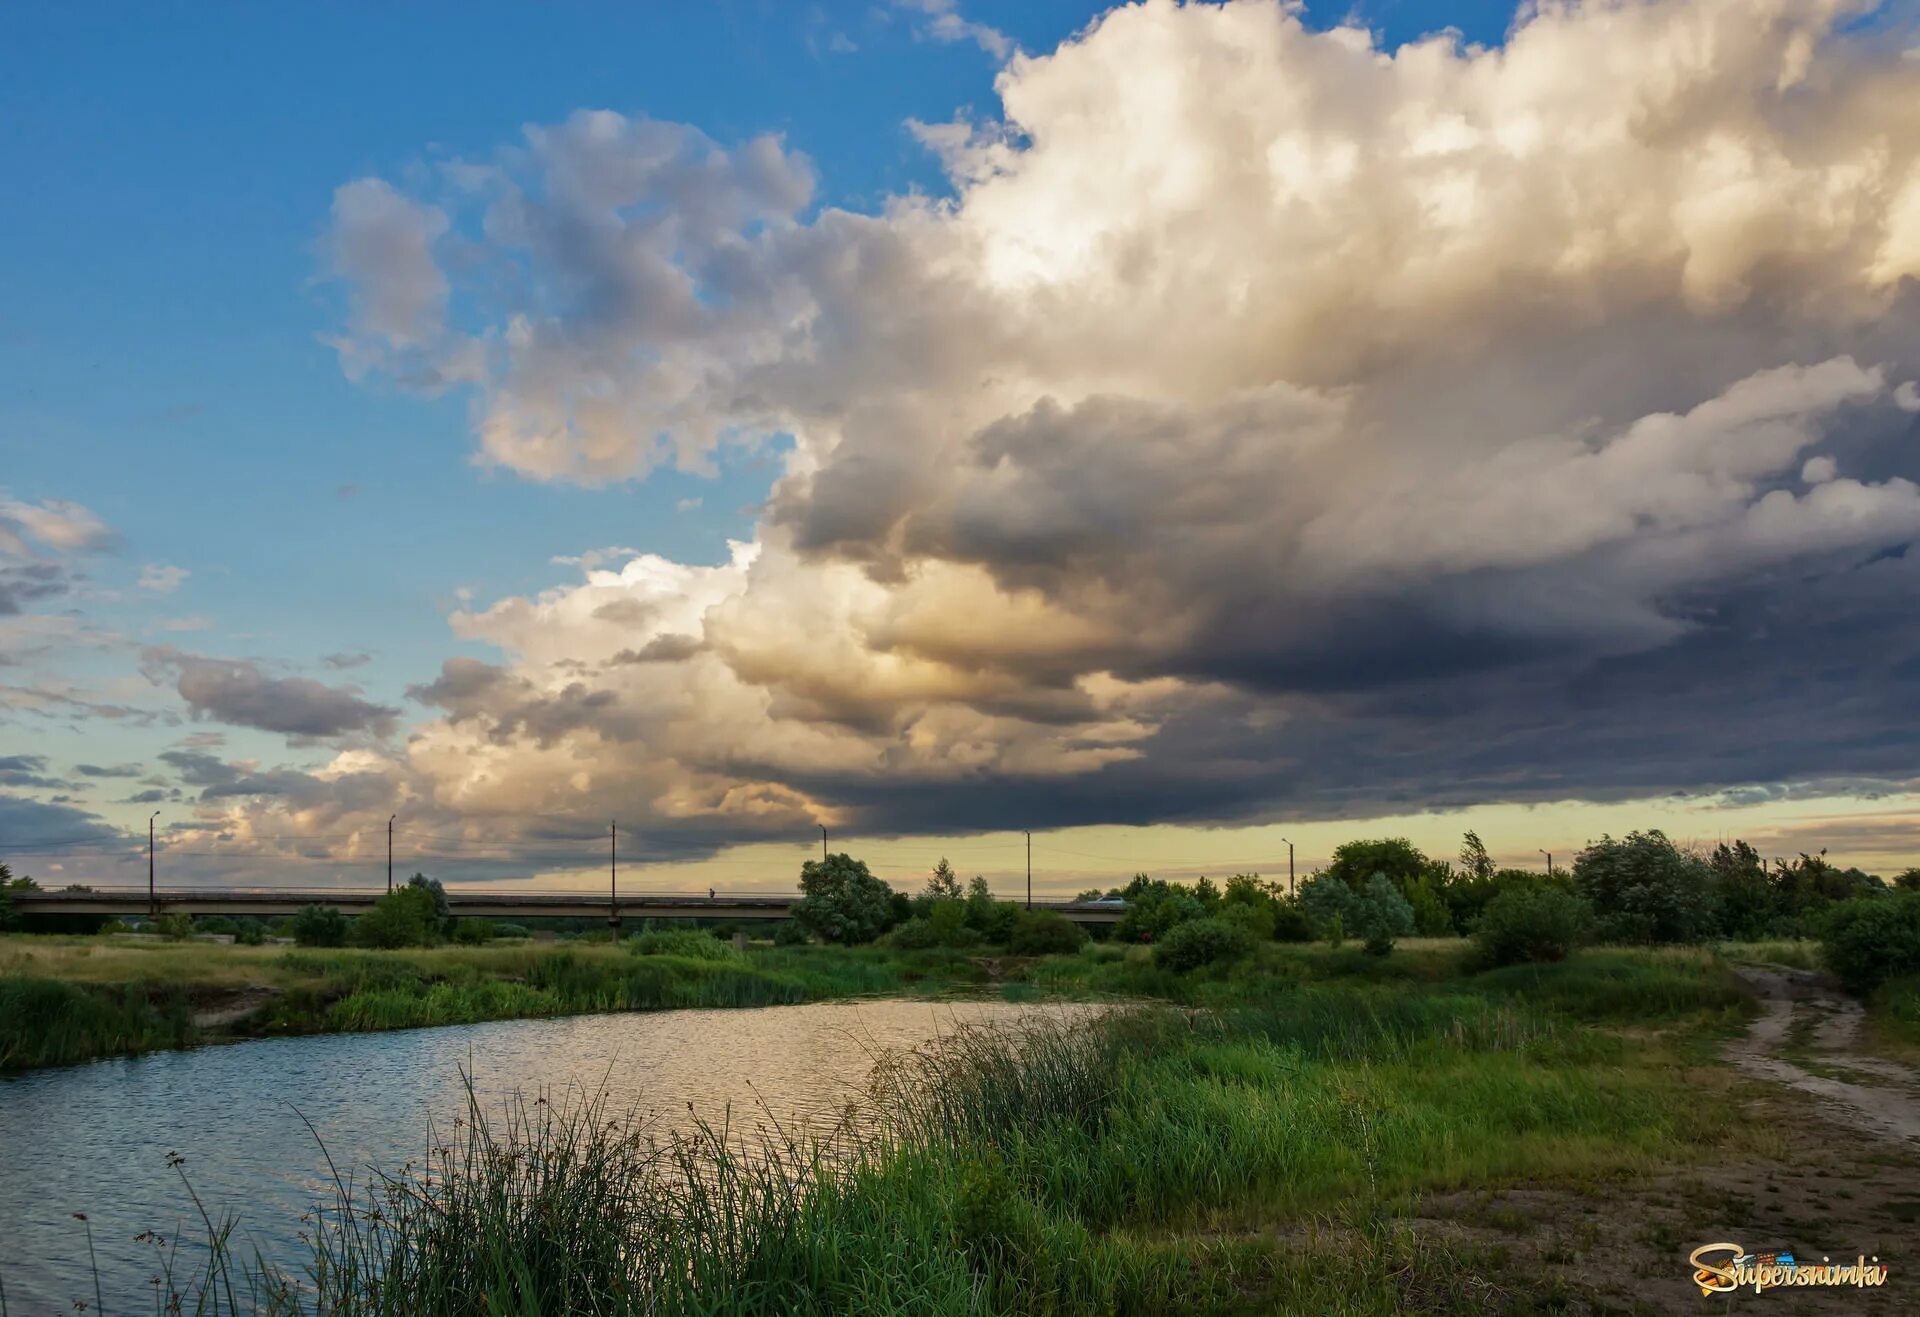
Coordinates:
(74,999)
(1256,1157)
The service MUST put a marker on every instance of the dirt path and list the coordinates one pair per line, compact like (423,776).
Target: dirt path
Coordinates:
(1804,1039)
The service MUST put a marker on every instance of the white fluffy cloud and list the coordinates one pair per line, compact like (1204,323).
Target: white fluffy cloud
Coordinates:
(1245,364)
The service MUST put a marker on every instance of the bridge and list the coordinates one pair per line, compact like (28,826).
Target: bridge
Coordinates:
(486,903)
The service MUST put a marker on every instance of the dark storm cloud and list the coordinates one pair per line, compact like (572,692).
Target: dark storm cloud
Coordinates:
(108,770)
(28,823)
(238,692)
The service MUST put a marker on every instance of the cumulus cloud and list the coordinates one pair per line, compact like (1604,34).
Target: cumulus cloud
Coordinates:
(161,578)
(37,541)
(240,693)
(1267,423)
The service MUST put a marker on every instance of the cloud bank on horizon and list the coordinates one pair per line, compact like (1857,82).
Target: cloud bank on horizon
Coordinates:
(1267,425)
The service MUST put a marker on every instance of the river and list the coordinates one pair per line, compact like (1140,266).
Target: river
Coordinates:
(97,1139)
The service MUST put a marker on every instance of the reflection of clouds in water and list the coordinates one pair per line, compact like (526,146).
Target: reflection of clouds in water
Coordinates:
(238,1115)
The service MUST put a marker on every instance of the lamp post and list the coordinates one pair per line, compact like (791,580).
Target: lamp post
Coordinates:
(823,843)
(390,819)
(1549,855)
(153,902)
(1289,866)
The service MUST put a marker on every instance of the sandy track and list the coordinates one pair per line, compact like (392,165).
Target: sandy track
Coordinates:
(1805,1038)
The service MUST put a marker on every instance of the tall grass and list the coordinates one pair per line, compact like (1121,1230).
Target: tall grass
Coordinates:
(46,1023)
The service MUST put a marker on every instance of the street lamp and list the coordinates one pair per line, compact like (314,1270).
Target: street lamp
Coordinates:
(1289,866)
(153,904)
(1549,855)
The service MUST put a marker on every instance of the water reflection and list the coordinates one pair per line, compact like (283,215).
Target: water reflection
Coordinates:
(97,1138)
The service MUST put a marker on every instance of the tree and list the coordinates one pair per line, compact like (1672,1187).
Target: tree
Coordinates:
(841,901)
(1743,896)
(1356,862)
(1474,860)
(1530,924)
(404,917)
(9,916)
(1908,881)
(1645,889)
(943,884)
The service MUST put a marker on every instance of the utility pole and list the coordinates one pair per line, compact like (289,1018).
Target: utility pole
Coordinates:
(390,819)
(1289,866)
(613,877)
(1549,855)
(1029,871)
(823,843)
(153,903)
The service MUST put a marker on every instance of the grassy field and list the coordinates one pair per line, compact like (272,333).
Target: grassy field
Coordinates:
(1268,1153)
(1305,1129)
(70,999)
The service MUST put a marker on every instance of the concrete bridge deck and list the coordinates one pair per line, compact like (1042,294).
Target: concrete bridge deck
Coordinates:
(486,903)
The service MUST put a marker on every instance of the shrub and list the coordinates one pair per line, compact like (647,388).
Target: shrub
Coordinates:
(1385,915)
(1326,900)
(1044,933)
(471,932)
(685,942)
(176,926)
(842,901)
(790,933)
(216,924)
(1530,925)
(1291,922)
(1645,889)
(405,917)
(318,926)
(249,932)
(1872,939)
(917,934)
(1196,942)
(512,930)
(949,922)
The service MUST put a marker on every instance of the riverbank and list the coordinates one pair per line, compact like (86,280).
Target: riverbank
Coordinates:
(65,1000)
(1336,1133)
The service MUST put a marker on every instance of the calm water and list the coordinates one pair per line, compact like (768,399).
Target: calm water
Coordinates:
(96,1138)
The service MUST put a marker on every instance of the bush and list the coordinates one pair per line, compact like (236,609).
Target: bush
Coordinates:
(175,926)
(1376,914)
(1530,925)
(1872,939)
(512,930)
(249,932)
(917,934)
(1645,889)
(405,917)
(472,932)
(1291,922)
(1385,915)
(318,926)
(1044,933)
(685,942)
(843,902)
(1196,942)
(790,933)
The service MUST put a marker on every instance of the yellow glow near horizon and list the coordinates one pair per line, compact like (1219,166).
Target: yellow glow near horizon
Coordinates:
(1880,835)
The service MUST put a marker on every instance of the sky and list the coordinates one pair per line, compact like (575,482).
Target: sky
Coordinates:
(1170,430)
